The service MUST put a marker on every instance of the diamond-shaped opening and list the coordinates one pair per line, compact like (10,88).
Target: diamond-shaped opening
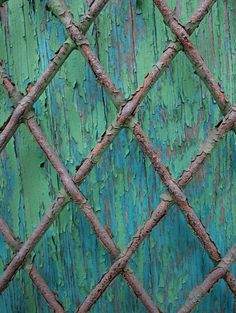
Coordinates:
(120,36)
(206,193)
(174,117)
(117,293)
(94,261)
(172,249)
(67,259)
(220,298)
(217,22)
(183,9)
(222,65)
(87,114)
(11,301)
(126,42)
(28,200)
(115,299)
(50,267)
(109,193)
(114,194)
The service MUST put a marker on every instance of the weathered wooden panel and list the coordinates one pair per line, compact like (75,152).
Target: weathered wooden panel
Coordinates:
(128,37)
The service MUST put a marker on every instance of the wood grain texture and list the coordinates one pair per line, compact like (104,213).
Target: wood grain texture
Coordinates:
(123,188)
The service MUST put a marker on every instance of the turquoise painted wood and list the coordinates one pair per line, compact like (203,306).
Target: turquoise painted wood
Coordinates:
(128,37)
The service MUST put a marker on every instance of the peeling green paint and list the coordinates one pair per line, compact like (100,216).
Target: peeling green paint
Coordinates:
(123,188)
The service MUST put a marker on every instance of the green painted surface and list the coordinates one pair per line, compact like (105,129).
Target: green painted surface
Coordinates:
(129,37)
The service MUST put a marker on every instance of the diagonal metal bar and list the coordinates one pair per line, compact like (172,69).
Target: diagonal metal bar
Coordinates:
(193,55)
(36,278)
(101,233)
(157,215)
(60,57)
(213,277)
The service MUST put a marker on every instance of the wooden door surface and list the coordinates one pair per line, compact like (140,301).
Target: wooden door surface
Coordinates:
(118,156)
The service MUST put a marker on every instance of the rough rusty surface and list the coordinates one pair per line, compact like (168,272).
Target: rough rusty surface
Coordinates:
(124,118)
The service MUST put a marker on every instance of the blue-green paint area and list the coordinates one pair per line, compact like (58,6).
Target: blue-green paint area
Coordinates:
(123,188)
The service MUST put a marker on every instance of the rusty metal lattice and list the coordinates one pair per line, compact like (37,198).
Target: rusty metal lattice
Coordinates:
(23,112)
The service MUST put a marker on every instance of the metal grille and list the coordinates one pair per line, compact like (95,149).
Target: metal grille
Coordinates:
(23,113)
